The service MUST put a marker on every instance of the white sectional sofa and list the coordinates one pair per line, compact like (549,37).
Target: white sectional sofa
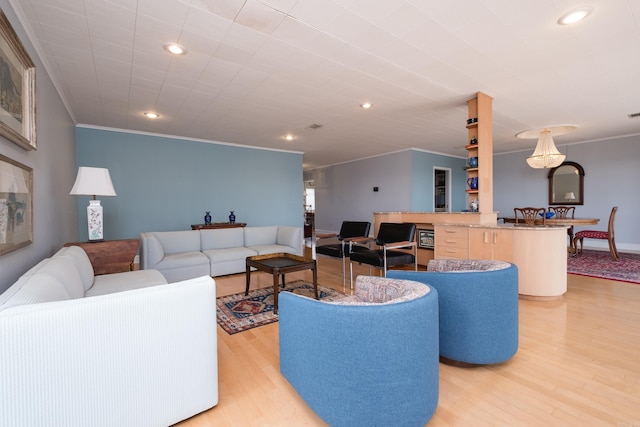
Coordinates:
(181,255)
(124,349)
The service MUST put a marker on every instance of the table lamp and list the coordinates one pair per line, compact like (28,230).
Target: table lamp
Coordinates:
(569,196)
(93,182)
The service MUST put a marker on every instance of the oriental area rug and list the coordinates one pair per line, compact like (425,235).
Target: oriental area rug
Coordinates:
(600,264)
(237,312)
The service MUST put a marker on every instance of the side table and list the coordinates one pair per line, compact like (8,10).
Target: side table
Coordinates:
(110,256)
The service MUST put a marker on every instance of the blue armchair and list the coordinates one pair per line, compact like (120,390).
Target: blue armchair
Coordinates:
(478,305)
(368,360)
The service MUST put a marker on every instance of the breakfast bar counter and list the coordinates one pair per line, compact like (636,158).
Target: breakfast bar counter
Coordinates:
(540,252)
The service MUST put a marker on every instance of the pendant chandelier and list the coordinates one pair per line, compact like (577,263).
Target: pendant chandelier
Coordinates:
(546,155)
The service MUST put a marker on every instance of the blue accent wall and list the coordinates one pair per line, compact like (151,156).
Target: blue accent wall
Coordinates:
(422,164)
(164,183)
(404,179)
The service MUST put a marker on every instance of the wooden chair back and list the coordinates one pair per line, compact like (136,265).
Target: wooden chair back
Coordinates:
(563,211)
(529,215)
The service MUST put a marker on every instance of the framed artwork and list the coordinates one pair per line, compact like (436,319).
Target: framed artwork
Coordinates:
(17,89)
(16,205)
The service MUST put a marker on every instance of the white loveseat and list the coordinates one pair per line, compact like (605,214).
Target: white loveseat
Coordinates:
(181,255)
(124,349)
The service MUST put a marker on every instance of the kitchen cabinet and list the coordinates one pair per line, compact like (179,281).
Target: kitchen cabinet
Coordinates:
(491,243)
(451,241)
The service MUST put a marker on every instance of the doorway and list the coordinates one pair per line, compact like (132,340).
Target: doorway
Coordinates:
(309,209)
(441,189)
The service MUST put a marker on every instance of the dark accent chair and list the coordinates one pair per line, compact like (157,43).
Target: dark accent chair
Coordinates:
(350,231)
(391,237)
(597,234)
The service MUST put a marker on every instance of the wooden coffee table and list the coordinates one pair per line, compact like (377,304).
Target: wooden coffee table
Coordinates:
(279,264)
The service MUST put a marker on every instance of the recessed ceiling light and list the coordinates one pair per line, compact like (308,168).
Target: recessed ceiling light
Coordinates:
(366,105)
(289,137)
(175,48)
(151,115)
(575,15)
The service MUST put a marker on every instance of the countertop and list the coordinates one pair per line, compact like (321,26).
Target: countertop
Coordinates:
(519,227)
(429,212)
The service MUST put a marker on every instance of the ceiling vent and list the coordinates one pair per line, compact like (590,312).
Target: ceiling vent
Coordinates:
(314,126)
(633,115)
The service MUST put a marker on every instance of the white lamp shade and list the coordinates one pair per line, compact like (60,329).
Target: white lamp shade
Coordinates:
(93,182)
(569,196)
(546,155)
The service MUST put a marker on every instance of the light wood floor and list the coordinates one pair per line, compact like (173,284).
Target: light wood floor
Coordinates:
(578,364)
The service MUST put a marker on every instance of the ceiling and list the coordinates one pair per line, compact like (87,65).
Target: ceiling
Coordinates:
(256,70)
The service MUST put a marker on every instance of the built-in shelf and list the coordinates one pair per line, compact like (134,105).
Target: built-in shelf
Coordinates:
(480,108)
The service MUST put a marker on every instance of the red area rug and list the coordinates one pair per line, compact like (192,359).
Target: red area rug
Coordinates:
(600,264)
(237,312)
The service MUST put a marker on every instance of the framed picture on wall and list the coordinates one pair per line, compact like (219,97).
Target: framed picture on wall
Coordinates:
(17,89)
(16,205)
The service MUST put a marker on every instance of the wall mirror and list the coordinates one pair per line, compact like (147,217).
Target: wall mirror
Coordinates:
(566,184)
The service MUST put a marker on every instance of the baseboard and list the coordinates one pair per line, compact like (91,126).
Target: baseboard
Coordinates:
(597,245)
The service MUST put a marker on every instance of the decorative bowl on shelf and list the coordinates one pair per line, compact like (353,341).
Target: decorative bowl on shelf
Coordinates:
(548,215)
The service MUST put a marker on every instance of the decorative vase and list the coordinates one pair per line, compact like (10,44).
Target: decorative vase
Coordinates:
(207,218)
(232,218)
(473,183)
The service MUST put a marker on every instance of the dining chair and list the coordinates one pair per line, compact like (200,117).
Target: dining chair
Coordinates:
(393,240)
(563,211)
(604,235)
(529,215)
(350,231)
